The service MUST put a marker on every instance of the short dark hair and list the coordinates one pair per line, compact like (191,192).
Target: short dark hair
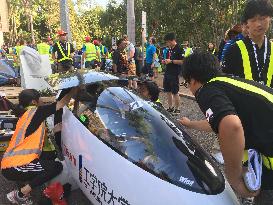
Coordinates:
(119,41)
(153,90)
(257,7)
(26,97)
(201,66)
(125,37)
(153,40)
(170,37)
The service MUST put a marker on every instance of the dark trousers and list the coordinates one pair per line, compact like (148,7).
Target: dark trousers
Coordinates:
(90,64)
(103,63)
(35,178)
(264,198)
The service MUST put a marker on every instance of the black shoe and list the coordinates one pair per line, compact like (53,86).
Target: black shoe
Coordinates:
(170,109)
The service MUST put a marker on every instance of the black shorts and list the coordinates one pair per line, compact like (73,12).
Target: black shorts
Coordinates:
(147,69)
(171,84)
(267,179)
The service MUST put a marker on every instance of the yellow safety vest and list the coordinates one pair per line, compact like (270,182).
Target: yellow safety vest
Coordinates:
(64,57)
(43,49)
(187,52)
(19,49)
(98,58)
(91,52)
(267,161)
(247,65)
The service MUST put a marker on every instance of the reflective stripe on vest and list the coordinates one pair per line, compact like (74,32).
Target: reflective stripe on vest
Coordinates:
(270,68)
(188,52)
(91,52)
(21,150)
(246,60)
(213,52)
(245,86)
(62,52)
(268,162)
(102,50)
(110,55)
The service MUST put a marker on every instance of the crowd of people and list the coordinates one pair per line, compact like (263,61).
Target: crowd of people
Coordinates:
(232,86)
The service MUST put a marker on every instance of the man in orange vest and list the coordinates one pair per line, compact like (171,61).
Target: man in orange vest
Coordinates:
(22,161)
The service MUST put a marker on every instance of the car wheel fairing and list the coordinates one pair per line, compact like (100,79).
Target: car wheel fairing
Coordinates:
(125,182)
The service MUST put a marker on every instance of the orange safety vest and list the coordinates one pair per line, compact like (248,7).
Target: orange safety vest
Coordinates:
(21,151)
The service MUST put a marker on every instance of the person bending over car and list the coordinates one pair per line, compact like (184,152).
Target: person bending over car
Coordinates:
(240,111)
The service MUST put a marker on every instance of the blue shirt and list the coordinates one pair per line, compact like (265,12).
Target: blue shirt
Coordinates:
(150,51)
(165,51)
(229,44)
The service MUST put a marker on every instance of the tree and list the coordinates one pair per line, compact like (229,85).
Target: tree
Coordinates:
(198,21)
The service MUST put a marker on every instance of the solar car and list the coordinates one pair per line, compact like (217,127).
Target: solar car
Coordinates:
(124,150)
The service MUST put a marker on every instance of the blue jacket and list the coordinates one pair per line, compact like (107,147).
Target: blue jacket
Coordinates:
(229,44)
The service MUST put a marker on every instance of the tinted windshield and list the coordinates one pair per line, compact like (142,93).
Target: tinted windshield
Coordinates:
(144,133)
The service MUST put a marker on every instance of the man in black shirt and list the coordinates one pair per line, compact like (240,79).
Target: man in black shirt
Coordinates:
(240,111)
(119,58)
(252,58)
(64,52)
(173,63)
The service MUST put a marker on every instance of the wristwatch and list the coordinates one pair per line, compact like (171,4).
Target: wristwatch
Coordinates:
(172,61)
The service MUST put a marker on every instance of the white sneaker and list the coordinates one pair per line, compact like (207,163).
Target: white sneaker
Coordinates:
(14,198)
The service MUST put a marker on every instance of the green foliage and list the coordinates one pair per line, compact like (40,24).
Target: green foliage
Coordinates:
(198,21)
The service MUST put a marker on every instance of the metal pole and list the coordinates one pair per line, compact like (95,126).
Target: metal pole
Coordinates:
(131,30)
(64,16)
(143,63)
(143,33)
